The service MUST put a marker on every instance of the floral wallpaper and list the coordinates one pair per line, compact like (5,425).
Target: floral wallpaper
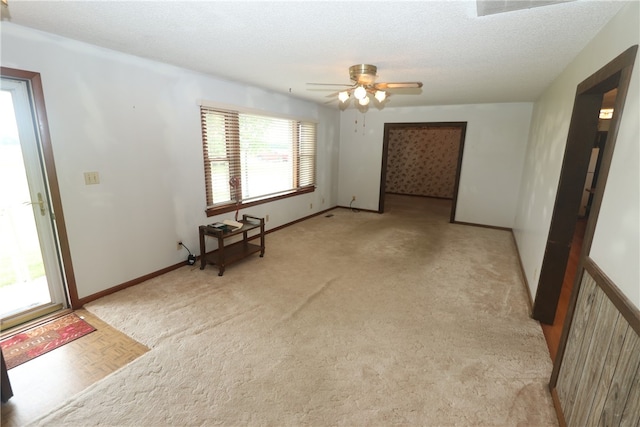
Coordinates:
(422,161)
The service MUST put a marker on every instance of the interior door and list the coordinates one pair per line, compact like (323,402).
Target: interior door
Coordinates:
(31,281)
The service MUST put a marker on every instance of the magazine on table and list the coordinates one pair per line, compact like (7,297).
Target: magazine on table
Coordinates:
(227,225)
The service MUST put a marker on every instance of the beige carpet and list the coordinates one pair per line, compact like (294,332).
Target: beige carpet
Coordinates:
(355,319)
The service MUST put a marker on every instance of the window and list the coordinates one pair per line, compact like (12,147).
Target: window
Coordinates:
(250,159)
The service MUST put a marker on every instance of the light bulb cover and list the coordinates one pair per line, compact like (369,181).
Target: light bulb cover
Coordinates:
(606,113)
(343,96)
(364,101)
(380,95)
(360,92)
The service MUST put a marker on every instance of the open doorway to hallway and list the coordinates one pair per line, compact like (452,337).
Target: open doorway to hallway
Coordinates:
(553,332)
(423,160)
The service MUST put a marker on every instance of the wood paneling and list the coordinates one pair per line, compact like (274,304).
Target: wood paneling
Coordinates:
(599,376)
(599,345)
(632,407)
(574,354)
(609,366)
(620,389)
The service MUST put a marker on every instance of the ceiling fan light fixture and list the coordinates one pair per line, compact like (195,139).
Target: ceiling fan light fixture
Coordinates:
(363,78)
(360,93)
(343,96)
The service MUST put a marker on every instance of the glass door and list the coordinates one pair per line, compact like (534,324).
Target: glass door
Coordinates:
(31,282)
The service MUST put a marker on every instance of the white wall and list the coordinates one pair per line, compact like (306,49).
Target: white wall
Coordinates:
(616,242)
(492,161)
(137,123)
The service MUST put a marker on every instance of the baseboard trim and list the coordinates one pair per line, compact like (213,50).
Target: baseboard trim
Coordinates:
(494,227)
(357,209)
(304,218)
(558,407)
(82,301)
(523,275)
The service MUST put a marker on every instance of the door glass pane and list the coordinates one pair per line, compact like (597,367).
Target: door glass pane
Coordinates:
(23,283)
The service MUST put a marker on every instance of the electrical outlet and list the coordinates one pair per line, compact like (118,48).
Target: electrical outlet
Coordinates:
(310,205)
(266,218)
(323,200)
(353,198)
(179,245)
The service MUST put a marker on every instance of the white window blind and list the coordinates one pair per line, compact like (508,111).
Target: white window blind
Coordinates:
(249,157)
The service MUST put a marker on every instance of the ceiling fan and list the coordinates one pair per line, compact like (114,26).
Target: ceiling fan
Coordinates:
(364,84)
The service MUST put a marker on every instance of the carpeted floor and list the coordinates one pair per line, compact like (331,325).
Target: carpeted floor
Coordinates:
(355,319)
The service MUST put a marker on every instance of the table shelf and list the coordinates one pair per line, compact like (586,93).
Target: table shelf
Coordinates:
(232,253)
(252,229)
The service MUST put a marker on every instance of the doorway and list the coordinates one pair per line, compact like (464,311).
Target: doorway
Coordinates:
(553,332)
(32,279)
(422,159)
(583,131)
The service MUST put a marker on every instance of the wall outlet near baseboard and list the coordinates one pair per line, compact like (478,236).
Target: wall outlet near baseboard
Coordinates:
(353,198)
(179,245)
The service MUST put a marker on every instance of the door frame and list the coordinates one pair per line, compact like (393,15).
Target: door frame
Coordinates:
(582,133)
(35,86)
(385,152)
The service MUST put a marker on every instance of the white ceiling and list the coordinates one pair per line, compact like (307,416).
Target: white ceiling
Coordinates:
(461,58)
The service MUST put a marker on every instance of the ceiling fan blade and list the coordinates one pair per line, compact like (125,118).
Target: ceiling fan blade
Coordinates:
(398,85)
(322,89)
(330,84)
(332,95)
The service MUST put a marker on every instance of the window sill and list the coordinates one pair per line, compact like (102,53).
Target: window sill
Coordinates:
(232,207)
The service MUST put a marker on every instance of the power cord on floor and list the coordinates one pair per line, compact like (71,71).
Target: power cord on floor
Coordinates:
(352,208)
(191,259)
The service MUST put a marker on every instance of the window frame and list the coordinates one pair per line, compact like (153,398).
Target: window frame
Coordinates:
(211,209)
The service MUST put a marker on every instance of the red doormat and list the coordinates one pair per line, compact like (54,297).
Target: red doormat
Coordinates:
(42,339)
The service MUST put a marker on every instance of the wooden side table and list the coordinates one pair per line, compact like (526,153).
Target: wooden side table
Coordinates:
(252,228)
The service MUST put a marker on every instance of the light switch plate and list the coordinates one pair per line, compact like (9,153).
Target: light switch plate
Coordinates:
(91,178)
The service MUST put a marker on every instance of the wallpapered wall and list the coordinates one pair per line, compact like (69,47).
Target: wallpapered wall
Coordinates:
(422,161)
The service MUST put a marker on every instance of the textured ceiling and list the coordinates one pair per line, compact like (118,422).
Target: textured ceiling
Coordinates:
(490,7)
(461,58)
